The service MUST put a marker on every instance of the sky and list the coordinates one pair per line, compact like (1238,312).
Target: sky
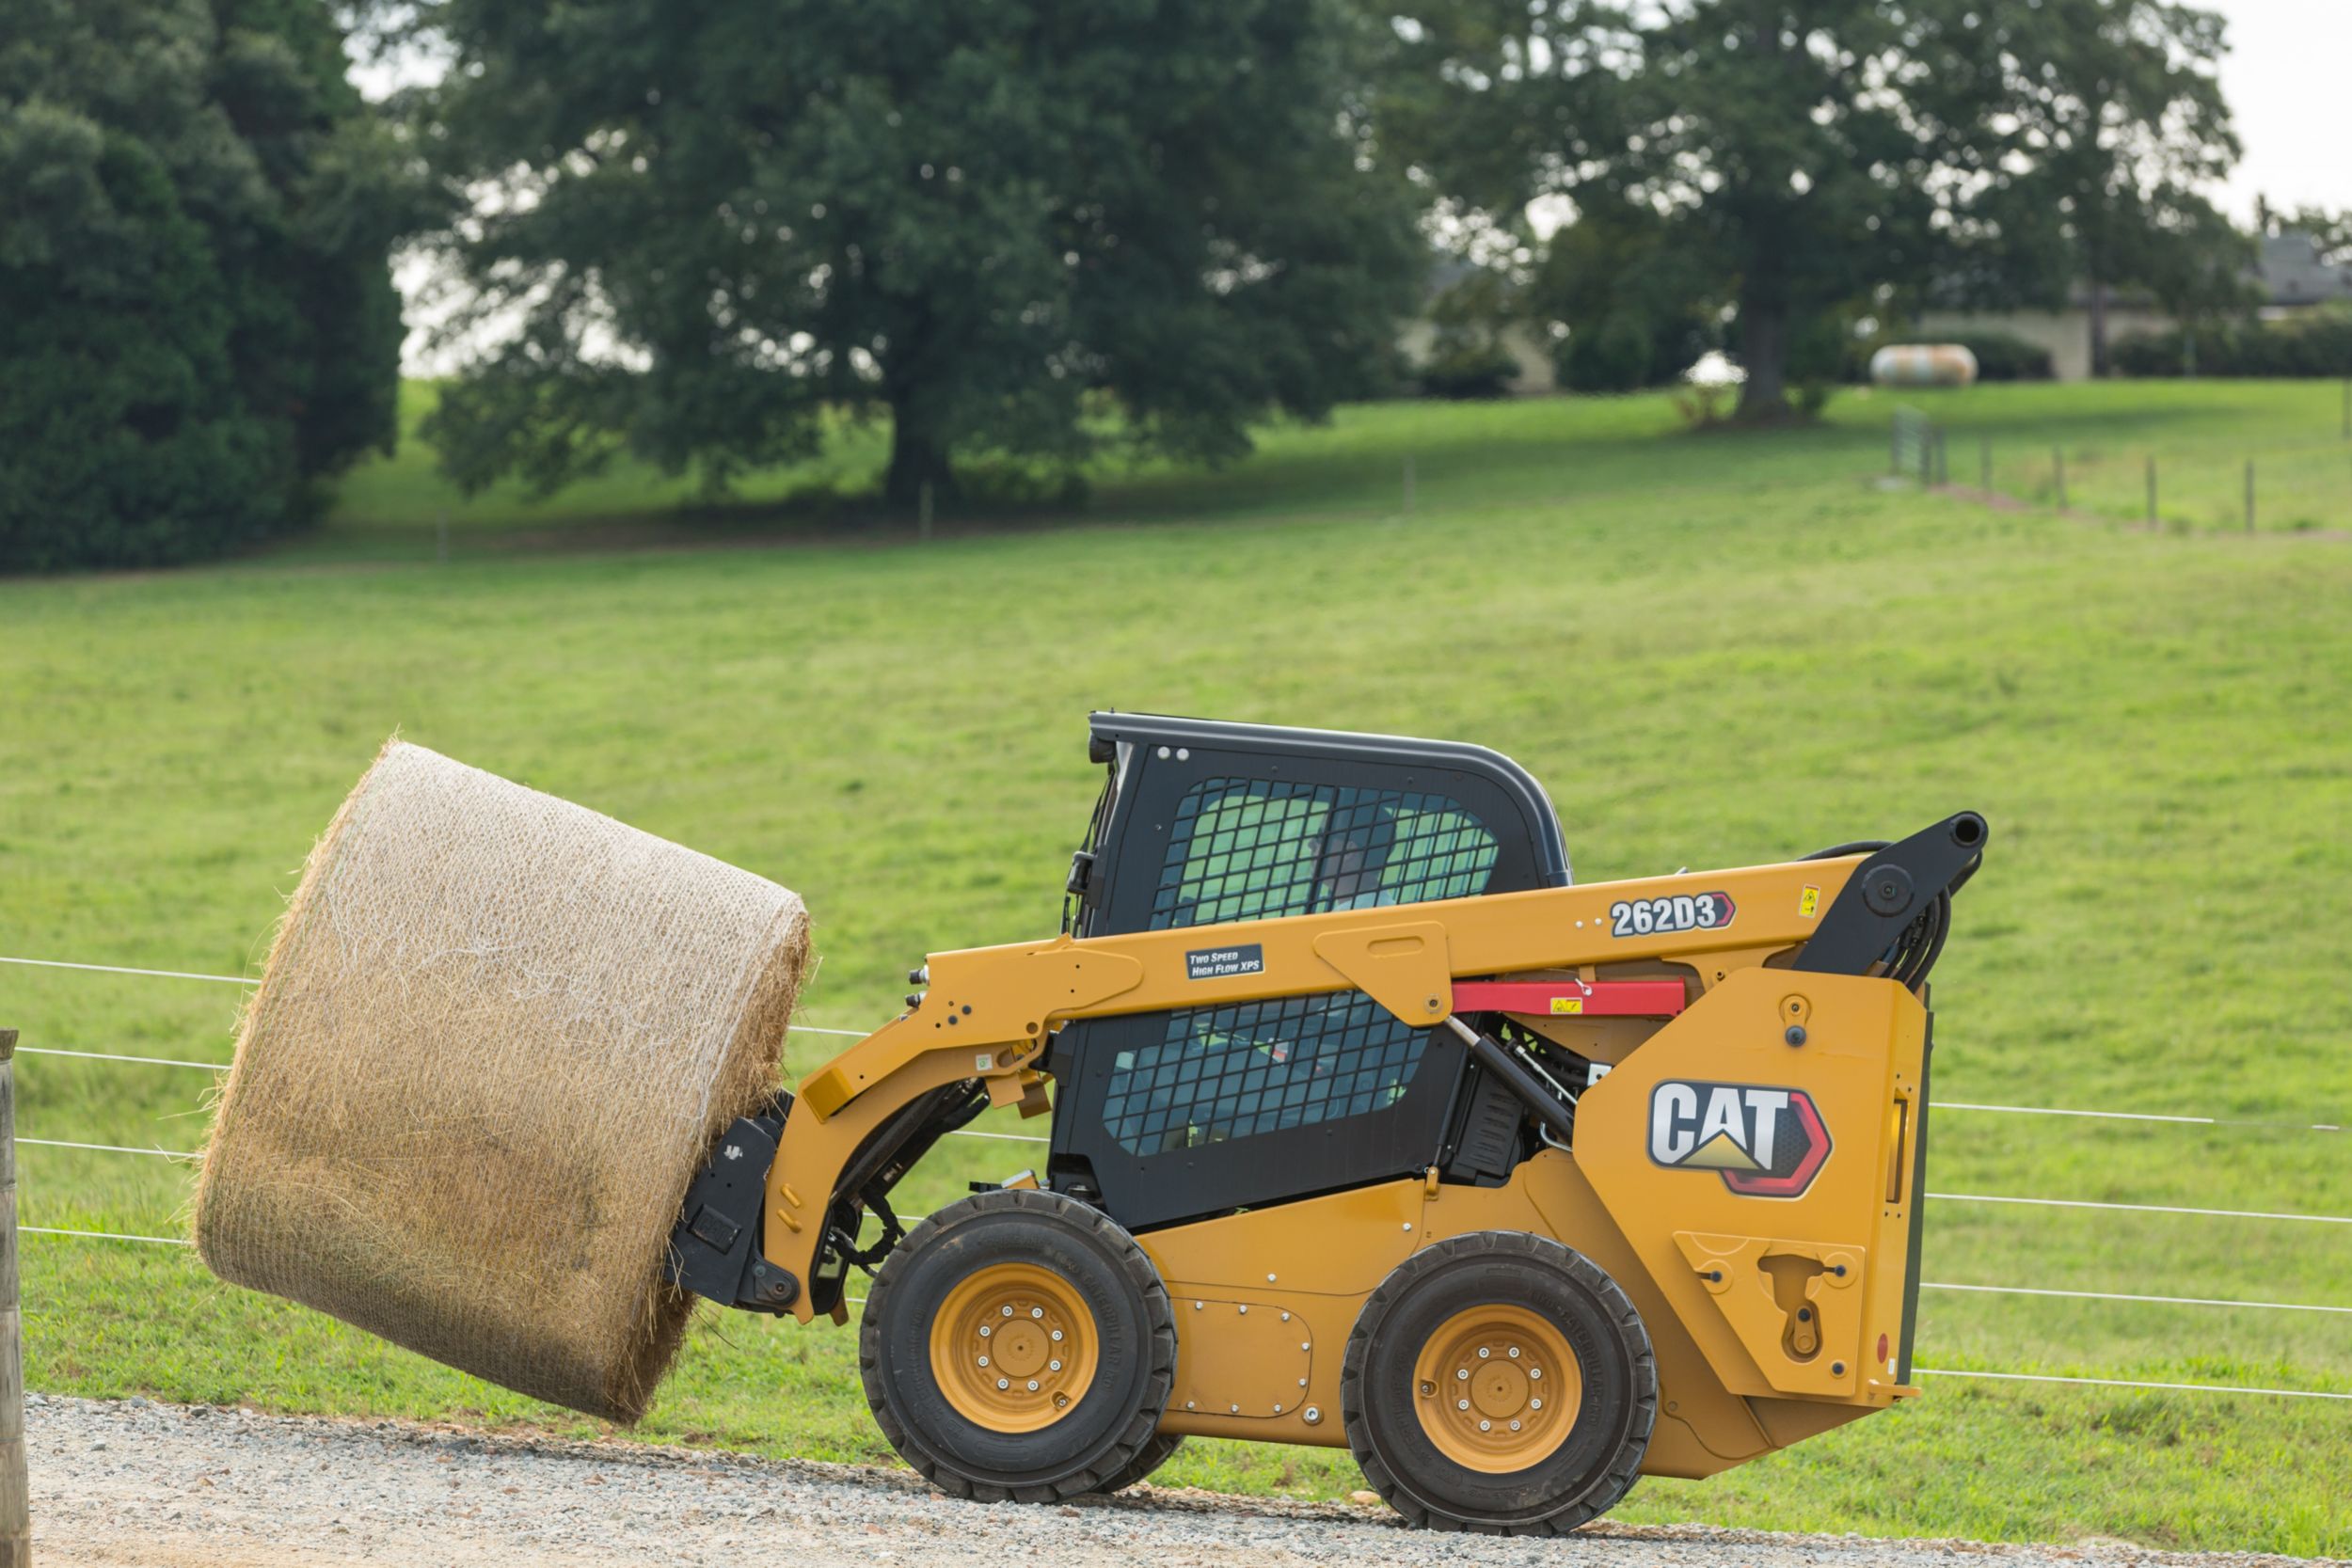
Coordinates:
(2288,79)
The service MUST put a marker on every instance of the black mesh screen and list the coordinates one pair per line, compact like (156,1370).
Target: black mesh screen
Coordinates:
(1220,1073)
(1254,848)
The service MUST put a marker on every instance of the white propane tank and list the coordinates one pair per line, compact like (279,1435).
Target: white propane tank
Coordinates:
(1924,365)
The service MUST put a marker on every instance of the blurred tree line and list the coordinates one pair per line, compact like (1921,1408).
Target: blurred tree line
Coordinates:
(1028,231)
(1763,175)
(197,323)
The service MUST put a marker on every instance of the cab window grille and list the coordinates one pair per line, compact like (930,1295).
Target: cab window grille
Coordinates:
(1255,849)
(1222,1073)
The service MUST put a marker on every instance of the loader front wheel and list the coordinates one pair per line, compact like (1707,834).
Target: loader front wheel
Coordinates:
(1019,1345)
(1156,1453)
(1499,1382)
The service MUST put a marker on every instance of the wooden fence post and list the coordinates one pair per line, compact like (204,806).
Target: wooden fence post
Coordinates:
(16,1516)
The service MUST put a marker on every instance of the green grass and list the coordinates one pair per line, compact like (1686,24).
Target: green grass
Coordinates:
(1714,650)
(2202,433)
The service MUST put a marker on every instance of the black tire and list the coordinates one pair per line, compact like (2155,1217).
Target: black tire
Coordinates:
(1116,1415)
(1596,1463)
(1154,1455)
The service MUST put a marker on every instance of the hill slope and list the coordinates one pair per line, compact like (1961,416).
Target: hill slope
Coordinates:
(1714,650)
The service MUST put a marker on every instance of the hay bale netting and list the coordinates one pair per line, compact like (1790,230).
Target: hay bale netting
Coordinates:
(495,1040)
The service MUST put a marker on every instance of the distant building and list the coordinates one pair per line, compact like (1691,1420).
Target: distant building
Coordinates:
(2066,334)
(2294,276)
(1530,350)
(2289,270)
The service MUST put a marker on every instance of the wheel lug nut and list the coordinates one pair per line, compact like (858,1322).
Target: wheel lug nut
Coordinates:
(1514,1426)
(1514,1353)
(1008,1311)
(1535,1372)
(1534,1404)
(1461,1405)
(1004,1383)
(1058,1336)
(1483,1352)
(983,1360)
(1462,1374)
(1053,1366)
(1037,1311)
(1033,1389)
(1486,1426)
(987,1329)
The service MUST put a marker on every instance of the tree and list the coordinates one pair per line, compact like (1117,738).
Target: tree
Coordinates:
(1812,153)
(197,317)
(2105,119)
(701,234)
(1641,307)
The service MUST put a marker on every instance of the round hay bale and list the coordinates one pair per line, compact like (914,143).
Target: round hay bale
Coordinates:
(493,1043)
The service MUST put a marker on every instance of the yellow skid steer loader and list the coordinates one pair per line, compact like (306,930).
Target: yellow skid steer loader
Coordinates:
(1371,1128)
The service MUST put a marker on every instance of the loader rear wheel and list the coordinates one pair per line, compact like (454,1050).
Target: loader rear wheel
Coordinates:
(1499,1382)
(1019,1344)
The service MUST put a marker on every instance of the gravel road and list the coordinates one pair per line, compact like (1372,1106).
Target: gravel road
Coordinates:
(169,1487)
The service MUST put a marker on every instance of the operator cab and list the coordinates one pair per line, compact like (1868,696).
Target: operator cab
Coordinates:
(1164,1117)
(1203,822)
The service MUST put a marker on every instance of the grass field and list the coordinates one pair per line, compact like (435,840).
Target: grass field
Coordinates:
(1714,649)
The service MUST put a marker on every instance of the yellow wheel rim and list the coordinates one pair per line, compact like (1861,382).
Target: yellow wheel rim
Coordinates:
(1013,1347)
(1497,1388)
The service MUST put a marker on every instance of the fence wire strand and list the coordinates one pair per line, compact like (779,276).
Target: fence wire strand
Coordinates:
(117,969)
(254,980)
(2142,1116)
(112,1148)
(2149,1117)
(2129,1383)
(2114,1296)
(2142,1207)
(111,1056)
(1921,1371)
(104,1235)
(861,1034)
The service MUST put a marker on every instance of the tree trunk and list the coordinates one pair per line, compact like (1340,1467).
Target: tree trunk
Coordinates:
(2098,329)
(1764,354)
(918,458)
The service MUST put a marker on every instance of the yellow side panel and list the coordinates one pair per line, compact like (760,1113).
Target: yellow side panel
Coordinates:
(1762,1182)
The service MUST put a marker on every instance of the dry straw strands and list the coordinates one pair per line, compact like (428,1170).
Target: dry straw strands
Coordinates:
(495,1038)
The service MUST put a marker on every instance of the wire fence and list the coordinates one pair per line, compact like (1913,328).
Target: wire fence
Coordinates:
(1942,1286)
(2220,484)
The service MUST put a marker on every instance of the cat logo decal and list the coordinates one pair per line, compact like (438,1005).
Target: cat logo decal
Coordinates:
(1764,1141)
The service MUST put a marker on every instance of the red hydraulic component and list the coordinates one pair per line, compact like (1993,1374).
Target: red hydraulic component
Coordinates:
(1549,998)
